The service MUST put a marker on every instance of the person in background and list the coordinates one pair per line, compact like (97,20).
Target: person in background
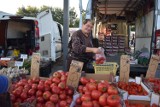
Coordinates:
(81,47)
(1,51)
(10,51)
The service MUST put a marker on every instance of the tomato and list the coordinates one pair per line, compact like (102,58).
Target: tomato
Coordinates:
(46,95)
(154,105)
(34,86)
(112,90)
(54,98)
(41,82)
(21,83)
(62,85)
(88,92)
(62,96)
(30,81)
(39,93)
(40,87)
(95,103)
(56,80)
(48,82)
(113,100)
(53,84)
(40,100)
(69,100)
(17,92)
(87,104)
(47,88)
(78,101)
(103,100)
(92,86)
(70,92)
(36,79)
(102,87)
(27,86)
(31,92)
(95,94)
(57,75)
(85,89)
(55,90)
(23,96)
(92,80)
(49,104)
(85,97)
(62,103)
(39,105)
(84,80)
(63,78)
(13,98)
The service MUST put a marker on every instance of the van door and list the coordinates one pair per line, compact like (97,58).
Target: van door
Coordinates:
(47,30)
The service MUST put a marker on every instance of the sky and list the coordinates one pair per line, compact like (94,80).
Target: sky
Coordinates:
(11,6)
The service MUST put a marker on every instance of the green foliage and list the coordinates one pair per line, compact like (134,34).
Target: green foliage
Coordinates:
(57,14)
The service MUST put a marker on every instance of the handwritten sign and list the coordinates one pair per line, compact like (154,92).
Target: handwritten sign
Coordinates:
(74,73)
(124,68)
(35,63)
(24,56)
(153,64)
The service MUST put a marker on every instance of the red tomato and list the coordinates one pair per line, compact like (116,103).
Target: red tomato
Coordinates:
(56,80)
(40,100)
(47,88)
(69,92)
(87,104)
(40,87)
(41,82)
(88,92)
(103,100)
(154,105)
(85,89)
(54,98)
(84,80)
(62,96)
(80,88)
(78,101)
(48,82)
(34,86)
(55,90)
(62,85)
(36,79)
(95,94)
(39,93)
(13,98)
(62,103)
(85,97)
(95,103)
(57,75)
(92,80)
(23,96)
(27,86)
(31,92)
(63,78)
(102,87)
(113,100)
(69,100)
(39,105)
(53,84)
(46,95)
(49,104)
(112,90)
(92,86)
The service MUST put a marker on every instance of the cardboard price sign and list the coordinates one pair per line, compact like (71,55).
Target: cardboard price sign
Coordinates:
(74,73)
(35,63)
(153,64)
(124,68)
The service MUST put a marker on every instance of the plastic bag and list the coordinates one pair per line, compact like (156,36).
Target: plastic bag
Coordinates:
(100,58)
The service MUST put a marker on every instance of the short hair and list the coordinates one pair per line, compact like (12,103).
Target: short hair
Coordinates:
(87,20)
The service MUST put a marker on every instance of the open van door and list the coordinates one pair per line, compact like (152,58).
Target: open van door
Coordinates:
(49,34)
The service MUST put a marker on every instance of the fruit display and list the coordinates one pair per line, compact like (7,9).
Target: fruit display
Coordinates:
(97,94)
(128,104)
(51,92)
(132,88)
(153,84)
(13,72)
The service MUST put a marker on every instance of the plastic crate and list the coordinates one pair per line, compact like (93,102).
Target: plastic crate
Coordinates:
(106,68)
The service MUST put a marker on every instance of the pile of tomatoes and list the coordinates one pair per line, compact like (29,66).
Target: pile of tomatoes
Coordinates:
(97,94)
(132,88)
(52,92)
(155,83)
(128,104)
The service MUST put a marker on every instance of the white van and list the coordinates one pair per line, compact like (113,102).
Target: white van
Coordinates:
(30,34)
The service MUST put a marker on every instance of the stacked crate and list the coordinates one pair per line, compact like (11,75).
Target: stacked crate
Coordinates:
(121,44)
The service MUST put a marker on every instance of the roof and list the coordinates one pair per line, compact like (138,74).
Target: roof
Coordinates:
(104,9)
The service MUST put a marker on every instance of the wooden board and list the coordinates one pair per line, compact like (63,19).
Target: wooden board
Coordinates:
(74,73)
(124,68)
(35,64)
(153,66)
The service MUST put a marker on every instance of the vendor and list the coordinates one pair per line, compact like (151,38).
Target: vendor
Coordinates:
(81,47)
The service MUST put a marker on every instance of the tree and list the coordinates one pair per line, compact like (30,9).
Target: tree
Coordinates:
(57,13)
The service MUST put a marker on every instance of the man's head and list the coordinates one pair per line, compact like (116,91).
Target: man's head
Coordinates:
(87,26)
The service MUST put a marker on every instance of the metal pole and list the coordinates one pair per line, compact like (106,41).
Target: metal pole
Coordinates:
(65,32)
(81,11)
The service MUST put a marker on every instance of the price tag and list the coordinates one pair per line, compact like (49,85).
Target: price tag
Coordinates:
(6,59)
(153,64)
(124,68)
(24,56)
(18,63)
(74,73)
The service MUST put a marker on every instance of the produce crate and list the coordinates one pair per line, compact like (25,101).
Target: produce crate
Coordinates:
(106,68)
